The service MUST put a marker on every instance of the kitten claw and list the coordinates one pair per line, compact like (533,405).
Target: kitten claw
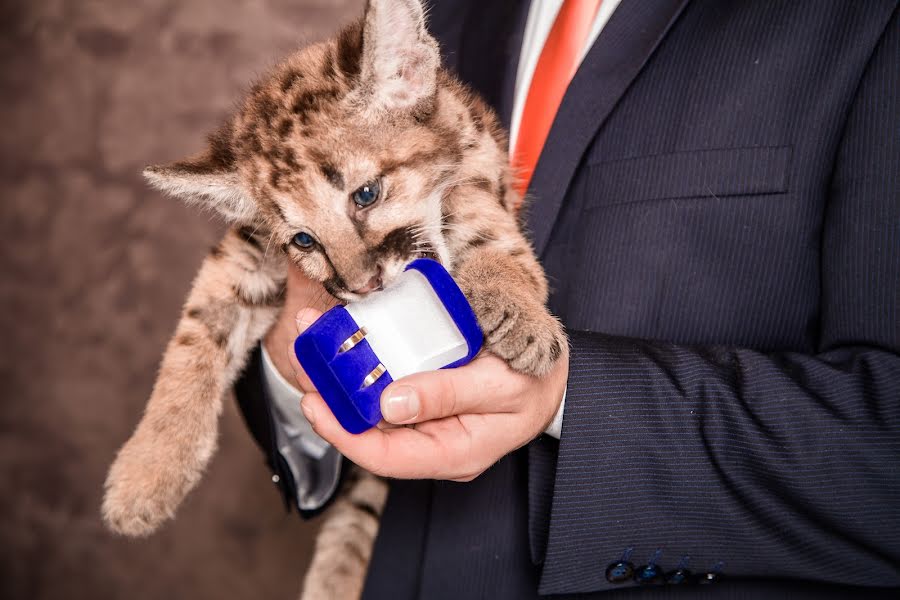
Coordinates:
(529,340)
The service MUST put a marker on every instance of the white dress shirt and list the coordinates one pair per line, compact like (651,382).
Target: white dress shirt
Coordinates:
(541,16)
(295,433)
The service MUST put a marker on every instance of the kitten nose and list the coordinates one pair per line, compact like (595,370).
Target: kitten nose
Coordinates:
(374,284)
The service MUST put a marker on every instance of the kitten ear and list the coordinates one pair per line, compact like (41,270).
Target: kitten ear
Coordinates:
(209,179)
(400,59)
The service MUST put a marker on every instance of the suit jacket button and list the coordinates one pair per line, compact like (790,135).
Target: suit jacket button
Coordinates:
(711,577)
(649,575)
(619,572)
(678,576)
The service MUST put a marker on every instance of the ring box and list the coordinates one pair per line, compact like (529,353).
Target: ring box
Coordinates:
(421,322)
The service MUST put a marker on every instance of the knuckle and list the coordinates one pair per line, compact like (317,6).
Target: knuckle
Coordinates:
(447,392)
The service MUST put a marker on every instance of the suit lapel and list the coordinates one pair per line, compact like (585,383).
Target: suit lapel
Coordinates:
(620,52)
(489,51)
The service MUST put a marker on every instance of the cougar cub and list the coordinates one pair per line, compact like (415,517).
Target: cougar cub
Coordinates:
(351,159)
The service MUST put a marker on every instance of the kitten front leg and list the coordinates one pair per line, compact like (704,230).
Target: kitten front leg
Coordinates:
(508,294)
(233,301)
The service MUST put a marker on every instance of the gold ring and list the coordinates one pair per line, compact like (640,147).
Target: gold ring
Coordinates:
(374,375)
(353,340)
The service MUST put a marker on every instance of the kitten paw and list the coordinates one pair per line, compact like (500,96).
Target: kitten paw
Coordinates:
(139,497)
(527,337)
(127,515)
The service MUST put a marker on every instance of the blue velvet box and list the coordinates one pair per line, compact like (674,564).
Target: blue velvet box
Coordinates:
(351,353)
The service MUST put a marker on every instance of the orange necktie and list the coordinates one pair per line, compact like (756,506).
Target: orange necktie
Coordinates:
(555,68)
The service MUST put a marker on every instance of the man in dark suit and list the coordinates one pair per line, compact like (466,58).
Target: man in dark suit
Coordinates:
(717,205)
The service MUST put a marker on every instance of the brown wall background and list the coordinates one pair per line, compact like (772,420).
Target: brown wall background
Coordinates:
(93,269)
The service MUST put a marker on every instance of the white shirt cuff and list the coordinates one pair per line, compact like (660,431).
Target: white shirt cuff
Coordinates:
(555,427)
(286,399)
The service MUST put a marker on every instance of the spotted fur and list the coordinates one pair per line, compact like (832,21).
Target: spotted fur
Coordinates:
(371,107)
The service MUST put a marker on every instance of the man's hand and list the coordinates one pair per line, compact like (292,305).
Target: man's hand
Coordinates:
(461,421)
(301,293)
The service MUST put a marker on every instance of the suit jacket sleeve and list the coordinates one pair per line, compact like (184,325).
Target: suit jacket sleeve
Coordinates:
(775,465)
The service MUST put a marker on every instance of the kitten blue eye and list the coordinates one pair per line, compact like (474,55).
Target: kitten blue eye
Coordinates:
(304,240)
(367,194)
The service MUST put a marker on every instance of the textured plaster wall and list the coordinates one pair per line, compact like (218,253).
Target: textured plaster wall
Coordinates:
(93,269)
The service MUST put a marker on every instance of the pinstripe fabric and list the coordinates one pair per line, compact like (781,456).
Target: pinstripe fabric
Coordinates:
(758,234)
(718,210)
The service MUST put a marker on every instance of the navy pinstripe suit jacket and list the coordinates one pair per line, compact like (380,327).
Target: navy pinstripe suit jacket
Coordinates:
(718,209)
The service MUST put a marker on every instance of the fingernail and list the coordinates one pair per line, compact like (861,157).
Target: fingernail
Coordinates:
(400,404)
(308,413)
